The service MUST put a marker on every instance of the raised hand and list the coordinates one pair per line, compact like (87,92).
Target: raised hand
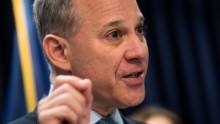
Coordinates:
(70,102)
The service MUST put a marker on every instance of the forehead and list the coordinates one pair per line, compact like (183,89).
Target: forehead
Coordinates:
(107,9)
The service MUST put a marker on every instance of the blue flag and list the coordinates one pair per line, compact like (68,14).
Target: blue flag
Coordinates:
(29,73)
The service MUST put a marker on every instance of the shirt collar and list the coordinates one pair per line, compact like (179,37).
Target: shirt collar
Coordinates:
(95,117)
(51,88)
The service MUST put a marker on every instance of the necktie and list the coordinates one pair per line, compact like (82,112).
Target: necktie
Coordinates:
(107,120)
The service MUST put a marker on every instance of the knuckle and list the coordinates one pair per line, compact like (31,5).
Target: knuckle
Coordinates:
(67,87)
(67,97)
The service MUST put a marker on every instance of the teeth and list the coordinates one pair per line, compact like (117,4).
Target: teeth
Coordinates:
(135,75)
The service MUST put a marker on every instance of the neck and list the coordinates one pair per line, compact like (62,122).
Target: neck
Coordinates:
(103,110)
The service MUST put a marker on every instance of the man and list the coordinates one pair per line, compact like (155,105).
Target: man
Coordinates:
(98,57)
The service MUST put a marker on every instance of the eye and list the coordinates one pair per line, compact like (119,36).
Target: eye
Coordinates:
(141,30)
(114,35)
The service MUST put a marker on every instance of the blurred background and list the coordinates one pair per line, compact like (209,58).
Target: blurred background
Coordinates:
(184,69)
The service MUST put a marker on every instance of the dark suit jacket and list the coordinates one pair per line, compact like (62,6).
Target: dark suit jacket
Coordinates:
(31,118)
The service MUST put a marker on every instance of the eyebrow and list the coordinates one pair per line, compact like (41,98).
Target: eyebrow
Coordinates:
(116,23)
(113,24)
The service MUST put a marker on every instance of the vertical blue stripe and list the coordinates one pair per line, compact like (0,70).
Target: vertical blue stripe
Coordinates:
(15,100)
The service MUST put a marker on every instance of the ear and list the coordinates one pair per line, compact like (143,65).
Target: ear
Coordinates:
(57,52)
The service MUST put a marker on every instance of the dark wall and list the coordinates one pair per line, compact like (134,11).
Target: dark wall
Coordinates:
(184,70)
(6,38)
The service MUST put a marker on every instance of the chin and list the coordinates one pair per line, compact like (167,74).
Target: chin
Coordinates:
(131,102)
(136,101)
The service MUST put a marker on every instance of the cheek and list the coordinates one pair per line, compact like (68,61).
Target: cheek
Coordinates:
(107,60)
(127,96)
(104,78)
(105,68)
(96,66)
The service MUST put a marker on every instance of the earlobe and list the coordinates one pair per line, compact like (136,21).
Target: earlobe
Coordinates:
(56,51)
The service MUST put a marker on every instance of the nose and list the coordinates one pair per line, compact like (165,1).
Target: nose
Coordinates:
(137,49)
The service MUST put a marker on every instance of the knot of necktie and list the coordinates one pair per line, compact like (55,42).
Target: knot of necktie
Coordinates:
(107,120)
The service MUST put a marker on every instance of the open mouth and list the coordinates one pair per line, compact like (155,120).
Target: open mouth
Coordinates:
(134,75)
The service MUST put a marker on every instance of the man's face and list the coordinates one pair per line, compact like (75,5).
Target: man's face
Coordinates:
(110,49)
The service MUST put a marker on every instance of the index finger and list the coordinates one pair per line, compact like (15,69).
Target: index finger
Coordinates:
(82,85)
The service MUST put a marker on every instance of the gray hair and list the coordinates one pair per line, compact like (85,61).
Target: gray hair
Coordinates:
(54,17)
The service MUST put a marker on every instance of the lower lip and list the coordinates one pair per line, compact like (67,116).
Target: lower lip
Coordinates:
(134,81)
